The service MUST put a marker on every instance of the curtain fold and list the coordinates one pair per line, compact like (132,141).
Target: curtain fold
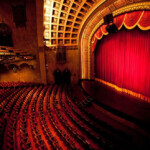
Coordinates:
(144,23)
(130,20)
(119,20)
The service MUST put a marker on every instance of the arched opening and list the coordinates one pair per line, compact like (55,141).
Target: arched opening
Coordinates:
(90,27)
(5,35)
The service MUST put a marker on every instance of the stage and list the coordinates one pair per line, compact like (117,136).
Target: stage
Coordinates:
(121,104)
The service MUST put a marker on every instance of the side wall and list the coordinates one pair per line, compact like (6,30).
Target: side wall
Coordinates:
(24,38)
(72,63)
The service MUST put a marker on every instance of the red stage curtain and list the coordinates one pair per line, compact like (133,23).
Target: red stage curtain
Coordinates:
(132,18)
(94,44)
(98,35)
(123,59)
(104,31)
(144,22)
(119,21)
(129,20)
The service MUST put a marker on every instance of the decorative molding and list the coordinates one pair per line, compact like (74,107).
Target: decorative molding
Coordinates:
(132,7)
(120,3)
(112,7)
(54,48)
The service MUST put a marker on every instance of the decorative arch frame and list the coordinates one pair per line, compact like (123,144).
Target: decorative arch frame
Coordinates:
(85,38)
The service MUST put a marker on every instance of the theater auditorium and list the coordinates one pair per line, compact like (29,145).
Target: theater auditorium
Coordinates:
(74,75)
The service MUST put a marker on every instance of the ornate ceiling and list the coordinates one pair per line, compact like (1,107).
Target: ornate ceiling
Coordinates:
(63,20)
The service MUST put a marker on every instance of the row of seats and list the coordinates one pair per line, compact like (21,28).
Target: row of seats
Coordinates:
(23,123)
(6,98)
(16,84)
(79,125)
(46,117)
(5,93)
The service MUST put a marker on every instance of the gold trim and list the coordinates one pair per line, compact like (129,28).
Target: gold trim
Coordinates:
(124,90)
(143,28)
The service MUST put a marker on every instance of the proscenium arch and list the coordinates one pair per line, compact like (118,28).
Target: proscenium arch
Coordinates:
(90,27)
